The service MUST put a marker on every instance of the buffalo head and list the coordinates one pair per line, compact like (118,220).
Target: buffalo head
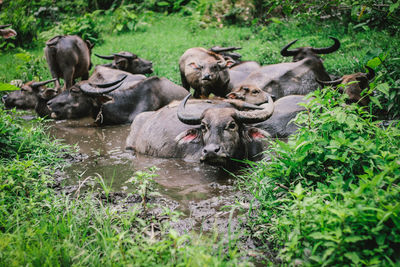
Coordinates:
(250,94)
(83,99)
(222,132)
(129,62)
(354,85)
(7,33)
(28,96)
(306,52)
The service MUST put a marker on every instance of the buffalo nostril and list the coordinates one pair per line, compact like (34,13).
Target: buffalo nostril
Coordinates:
(217,149)
(205,151)
(207,77)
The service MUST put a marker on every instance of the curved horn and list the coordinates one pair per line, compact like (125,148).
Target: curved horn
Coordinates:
(105,57)
(255,116)
(125,56)
(330,83)
(289,53)
(218,49)
(90,90)
(5,26)
(106,85)
(187,118)
(38,84)
(327,50)
(371,73)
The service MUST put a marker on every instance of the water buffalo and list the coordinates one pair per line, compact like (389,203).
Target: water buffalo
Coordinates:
(68,57)
(220,135)
(354,86)
(129,62)
(7,33)
(114,97)
(204,71)
(308,52)
(287,78)
(33,95)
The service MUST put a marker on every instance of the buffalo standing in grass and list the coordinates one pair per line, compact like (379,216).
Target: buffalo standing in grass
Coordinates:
(211,131)
(68,57)
(129,62)
(114,97)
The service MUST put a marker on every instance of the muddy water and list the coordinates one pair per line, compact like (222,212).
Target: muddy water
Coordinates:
(105,155)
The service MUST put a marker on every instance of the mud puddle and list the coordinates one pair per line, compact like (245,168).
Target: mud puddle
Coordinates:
(203,193)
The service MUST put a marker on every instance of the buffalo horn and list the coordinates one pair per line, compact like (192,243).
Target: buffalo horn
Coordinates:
(125,56)
(90,90)
(4,26)
(106,85)
(289,53)
(327,50)
(255,116)
(371,73)
(217,49)
(38,84)
(105,57)
(187,118)
(330,83)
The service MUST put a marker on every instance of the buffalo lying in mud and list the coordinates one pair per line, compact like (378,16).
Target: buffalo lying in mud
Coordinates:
(287,78)
(297,77)
(33,95)
(221,133)
(116,102)
(308,52)
(204,71)
(128,62)
(7,33)
(68,57)
(354,84)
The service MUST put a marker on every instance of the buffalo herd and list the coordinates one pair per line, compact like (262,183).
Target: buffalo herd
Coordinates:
(250,102)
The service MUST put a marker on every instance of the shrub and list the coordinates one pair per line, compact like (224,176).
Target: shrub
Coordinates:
(329,195)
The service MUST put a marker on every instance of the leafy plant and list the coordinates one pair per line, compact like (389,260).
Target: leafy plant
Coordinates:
(329,195)
(145,185)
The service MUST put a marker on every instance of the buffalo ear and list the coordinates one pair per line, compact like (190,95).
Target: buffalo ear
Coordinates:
(254,133)
(234,95)
(103,99)
(230,63)
(188,136)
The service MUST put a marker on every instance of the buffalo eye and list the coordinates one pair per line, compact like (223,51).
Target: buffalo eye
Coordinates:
(232,126)
(203,127)
(255,92)
(246,89)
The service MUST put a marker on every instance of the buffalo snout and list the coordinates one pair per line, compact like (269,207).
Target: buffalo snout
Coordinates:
(206,77)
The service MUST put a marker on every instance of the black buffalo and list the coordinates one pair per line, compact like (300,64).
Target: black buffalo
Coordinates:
(114,97)
(211,131)
(128,62)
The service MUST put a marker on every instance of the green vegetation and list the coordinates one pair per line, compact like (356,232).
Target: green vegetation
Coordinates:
(329,196)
